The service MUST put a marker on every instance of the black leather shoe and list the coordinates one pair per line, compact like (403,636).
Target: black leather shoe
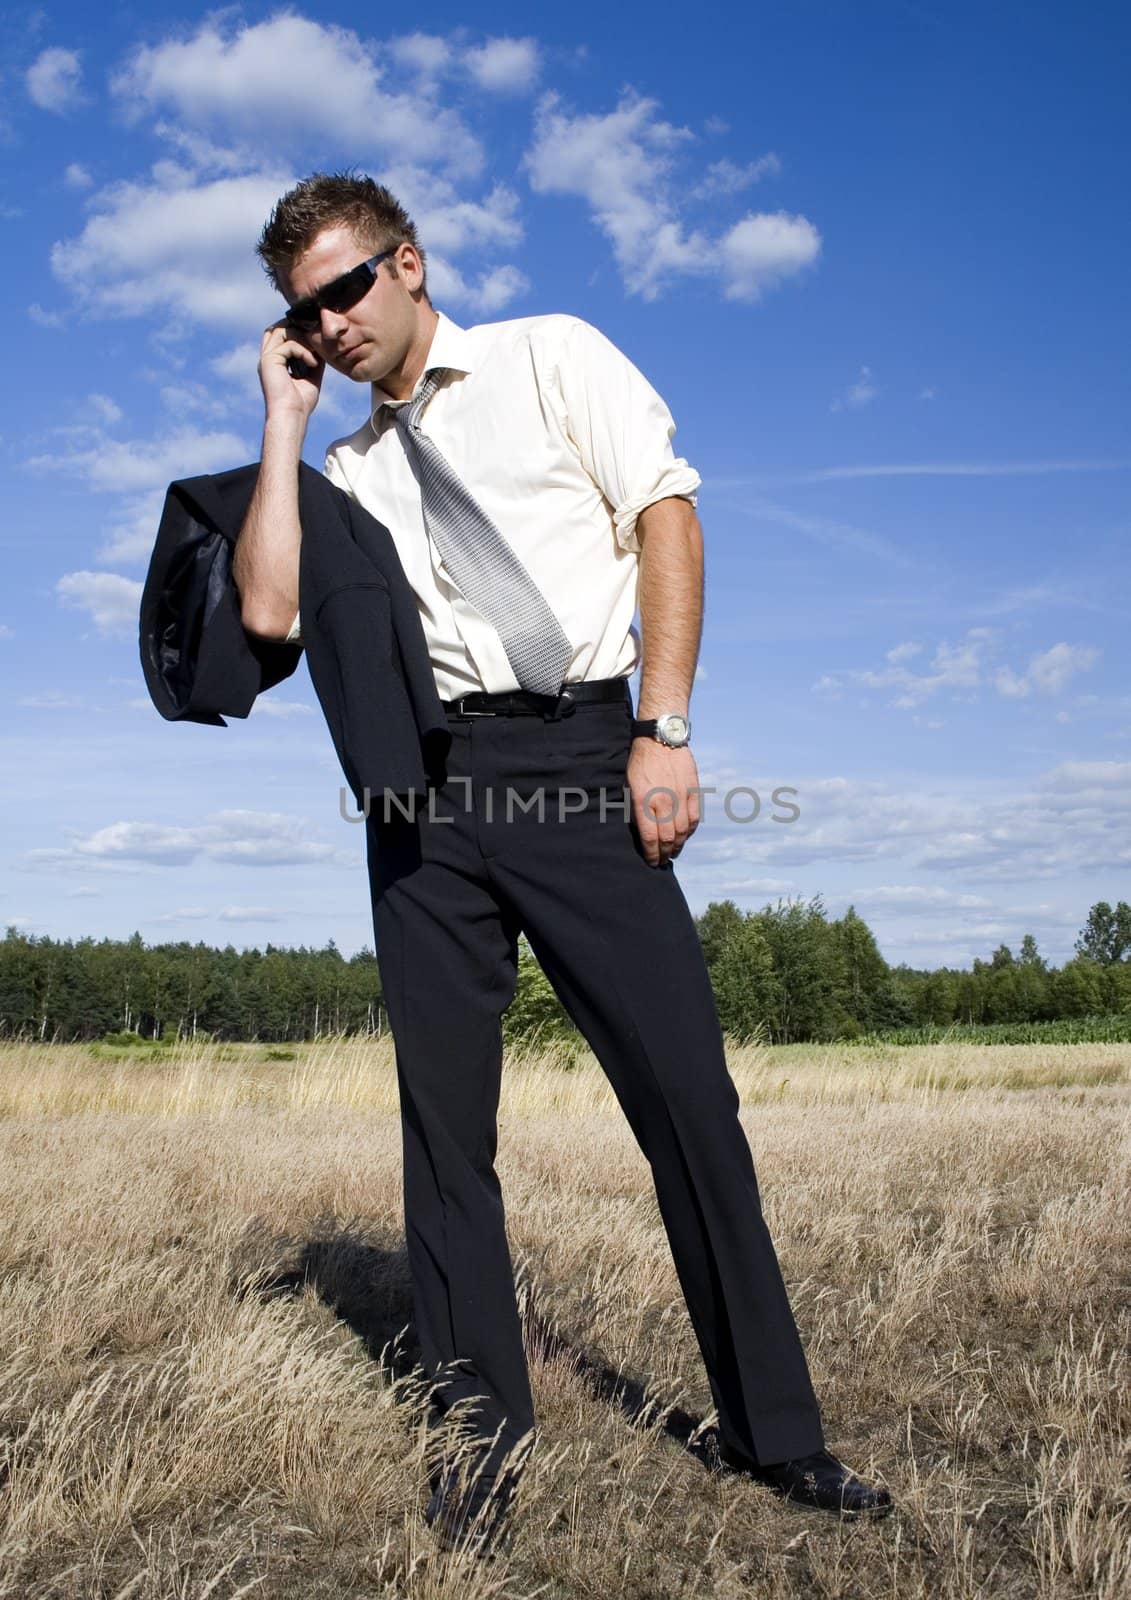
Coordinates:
(816,1480)
(469,1503)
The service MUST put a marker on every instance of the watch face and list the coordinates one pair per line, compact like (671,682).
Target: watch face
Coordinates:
(673,728)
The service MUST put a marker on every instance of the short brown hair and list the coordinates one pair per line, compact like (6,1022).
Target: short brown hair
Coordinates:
(329,200)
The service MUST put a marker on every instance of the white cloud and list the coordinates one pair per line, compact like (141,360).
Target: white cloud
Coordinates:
(1049,672)
(54,80)
(243,838)
(1052,670)
(622,164)
(77,176)
(903,652)
(201,155)
(112,601)
(130,465)
(1009,684)
(178,246)
(238,363)
(49,700)
(727,177)
(505,66)
(44,319)
(765,248)
(858,394)
(194,400)
(104,409)
(954,667)
(1091,782)
(495,288)
(427,54)
(290,83)
(134,529)
(252,914)
(962,469)
(618,164)
(449,223)
(1075,817)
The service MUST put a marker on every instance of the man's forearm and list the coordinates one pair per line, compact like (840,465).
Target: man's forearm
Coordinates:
(670,596)
(265,562)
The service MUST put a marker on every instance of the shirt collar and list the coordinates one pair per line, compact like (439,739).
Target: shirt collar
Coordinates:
(450,348)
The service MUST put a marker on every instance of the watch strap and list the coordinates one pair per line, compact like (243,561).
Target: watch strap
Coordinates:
(649,728)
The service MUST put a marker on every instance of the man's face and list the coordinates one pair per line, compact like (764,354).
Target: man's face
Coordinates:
(371,338)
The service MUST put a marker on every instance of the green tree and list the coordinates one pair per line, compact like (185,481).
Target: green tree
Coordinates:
(1032,983)
(744,982)
(805,970)
(939,998)
(17,982)
(721,919)
(535,1012)
(1078,988)
(1106,936)
(864,991)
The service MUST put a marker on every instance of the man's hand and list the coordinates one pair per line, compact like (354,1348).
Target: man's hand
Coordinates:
(664,826)
(282,394)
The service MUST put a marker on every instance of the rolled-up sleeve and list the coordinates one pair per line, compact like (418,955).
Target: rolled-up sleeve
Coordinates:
(621,429)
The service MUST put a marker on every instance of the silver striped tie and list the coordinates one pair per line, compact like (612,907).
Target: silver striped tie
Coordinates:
(489,574)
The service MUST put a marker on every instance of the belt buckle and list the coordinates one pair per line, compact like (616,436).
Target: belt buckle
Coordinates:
(461,710)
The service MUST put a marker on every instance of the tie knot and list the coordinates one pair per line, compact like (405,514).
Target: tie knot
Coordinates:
(408,411)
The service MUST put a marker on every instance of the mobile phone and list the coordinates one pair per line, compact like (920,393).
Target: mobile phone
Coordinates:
(298,368)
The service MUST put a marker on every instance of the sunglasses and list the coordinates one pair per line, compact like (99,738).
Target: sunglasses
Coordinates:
(339,295)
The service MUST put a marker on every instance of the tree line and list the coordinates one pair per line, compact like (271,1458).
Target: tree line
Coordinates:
(83,989)
(790,974)
(787,973)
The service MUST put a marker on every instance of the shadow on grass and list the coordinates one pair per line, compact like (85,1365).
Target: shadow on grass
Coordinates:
(362,1275)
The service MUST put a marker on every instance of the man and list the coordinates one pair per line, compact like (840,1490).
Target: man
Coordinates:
(525,472)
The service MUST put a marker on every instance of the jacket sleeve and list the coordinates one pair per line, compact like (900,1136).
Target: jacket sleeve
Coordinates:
(200,663)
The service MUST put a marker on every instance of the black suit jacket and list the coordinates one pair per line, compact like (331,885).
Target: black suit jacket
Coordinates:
(361,630)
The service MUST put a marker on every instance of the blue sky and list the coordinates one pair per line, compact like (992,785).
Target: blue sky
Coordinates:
(872,255)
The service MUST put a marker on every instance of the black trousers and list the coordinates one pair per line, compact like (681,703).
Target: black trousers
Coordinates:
(452,888)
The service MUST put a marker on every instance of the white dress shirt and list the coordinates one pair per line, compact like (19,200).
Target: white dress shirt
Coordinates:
(563,443)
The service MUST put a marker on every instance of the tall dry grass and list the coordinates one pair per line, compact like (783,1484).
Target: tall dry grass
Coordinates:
(206,1384)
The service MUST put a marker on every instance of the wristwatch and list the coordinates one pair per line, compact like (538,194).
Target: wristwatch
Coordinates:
(670,728)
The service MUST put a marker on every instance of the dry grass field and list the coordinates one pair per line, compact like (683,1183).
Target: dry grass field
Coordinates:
(205,1374)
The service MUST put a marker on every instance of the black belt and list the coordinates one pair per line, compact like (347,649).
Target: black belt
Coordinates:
(525,703)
